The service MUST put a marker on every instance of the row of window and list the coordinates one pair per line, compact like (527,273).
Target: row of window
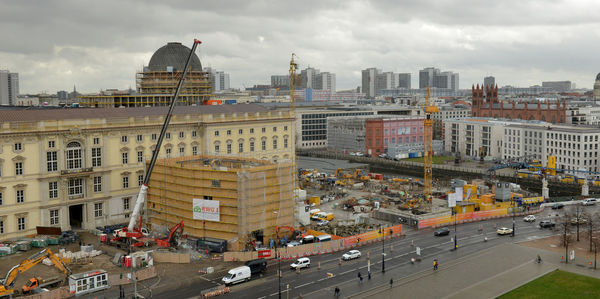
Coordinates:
(76,186)
(263,145)
(21,225)
(241,131)
(154,137)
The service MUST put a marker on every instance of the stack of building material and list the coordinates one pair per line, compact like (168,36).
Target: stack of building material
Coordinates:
(24,245)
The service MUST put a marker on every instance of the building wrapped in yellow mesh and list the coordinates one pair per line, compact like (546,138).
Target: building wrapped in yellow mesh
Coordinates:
(254,197)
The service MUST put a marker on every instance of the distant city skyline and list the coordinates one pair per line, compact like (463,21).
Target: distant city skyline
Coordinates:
(91,45)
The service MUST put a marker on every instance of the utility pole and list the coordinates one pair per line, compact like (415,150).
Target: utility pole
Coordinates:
(455,240)
(382,249)
(278,268)
(513,214)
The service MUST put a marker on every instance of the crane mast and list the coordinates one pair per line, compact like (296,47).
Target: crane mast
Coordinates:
(139,203)
(428,142)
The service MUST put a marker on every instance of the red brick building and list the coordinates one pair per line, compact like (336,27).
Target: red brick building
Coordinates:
(382,132)
(487,105)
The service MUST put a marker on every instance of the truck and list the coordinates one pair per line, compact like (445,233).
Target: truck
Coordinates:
(322,216)
(38,282)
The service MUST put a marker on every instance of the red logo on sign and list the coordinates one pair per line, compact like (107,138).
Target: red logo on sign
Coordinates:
(264,253)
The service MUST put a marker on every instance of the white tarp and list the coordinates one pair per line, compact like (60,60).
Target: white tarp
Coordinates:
(206,210)
(459,193)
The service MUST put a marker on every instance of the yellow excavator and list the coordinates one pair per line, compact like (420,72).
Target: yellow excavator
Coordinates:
(7,283)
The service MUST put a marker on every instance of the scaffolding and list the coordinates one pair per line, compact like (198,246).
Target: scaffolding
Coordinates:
(248,191)
(156,88)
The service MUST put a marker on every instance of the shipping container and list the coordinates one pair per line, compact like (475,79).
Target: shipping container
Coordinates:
(230,102)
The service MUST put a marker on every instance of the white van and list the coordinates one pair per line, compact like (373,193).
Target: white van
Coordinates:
(589,201)
(323,238)
(235,275)
(300,263)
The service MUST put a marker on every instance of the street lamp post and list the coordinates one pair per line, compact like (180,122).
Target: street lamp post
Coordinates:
(513,214)
(382,249)
(455,240)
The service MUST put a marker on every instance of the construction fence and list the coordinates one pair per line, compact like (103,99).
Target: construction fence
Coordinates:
(339,244)
(472,217)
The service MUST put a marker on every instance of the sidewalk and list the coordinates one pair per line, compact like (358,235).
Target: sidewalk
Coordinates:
(487,274)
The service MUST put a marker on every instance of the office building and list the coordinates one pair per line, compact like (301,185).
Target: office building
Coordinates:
(470,136)
(448,112)
(433,78)
(82,168)
(369,77)
(311,125)
(558,86)
(489,81)
(219,79)
(375,82)
(9,88)
(575,147)
(279,81)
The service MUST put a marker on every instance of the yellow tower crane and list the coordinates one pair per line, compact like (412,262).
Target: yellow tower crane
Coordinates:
(428,141)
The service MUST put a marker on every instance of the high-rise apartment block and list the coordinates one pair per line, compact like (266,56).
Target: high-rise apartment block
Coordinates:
(278,81)
(489,81)
(433,78)
(374,81)
(9,87)
(219,79)
(313,78)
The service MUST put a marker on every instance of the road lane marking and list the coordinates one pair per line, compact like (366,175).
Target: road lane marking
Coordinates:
(303,285)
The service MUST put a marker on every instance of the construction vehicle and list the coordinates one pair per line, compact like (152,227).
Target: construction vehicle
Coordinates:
(131,232)
(429,109)
(38,282)
(7,283)
(174,234)
(338,172)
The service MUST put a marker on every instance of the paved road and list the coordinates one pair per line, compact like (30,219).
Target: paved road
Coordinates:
(315,283)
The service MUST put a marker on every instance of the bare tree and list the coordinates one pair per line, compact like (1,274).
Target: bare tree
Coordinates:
(564,224)
(578,211)
(591,226)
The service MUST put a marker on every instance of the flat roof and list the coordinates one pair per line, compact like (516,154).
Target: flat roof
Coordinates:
(87,113)
(560,128)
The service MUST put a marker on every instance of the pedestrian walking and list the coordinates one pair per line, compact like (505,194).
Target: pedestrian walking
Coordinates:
(435,264)
(391,282)
(337,292)
(360,277)
(369,275)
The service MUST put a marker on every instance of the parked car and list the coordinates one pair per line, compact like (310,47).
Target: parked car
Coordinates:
(350,255)
(359,154)
(293,244)
(444,231)
(557,206)
(504,231)
(300,263)
(322,223)
(383,156)
(579,220)
(529,218)
(546,223)
(589,201)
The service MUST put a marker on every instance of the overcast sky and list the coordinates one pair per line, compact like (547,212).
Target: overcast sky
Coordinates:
(95,45)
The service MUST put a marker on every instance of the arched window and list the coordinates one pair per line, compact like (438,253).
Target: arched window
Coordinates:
(73,155)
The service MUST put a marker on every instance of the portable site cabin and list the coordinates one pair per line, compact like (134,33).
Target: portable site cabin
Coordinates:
(88,282)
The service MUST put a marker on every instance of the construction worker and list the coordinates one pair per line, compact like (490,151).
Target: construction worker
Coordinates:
(435,264)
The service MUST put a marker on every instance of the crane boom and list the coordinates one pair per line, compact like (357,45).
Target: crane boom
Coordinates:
(25,265)
(139,203)
(428,140)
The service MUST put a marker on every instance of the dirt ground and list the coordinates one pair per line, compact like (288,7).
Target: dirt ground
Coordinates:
(102,261)
(554,244)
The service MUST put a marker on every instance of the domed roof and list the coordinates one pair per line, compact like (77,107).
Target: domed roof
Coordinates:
(598,77)
(175,55)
